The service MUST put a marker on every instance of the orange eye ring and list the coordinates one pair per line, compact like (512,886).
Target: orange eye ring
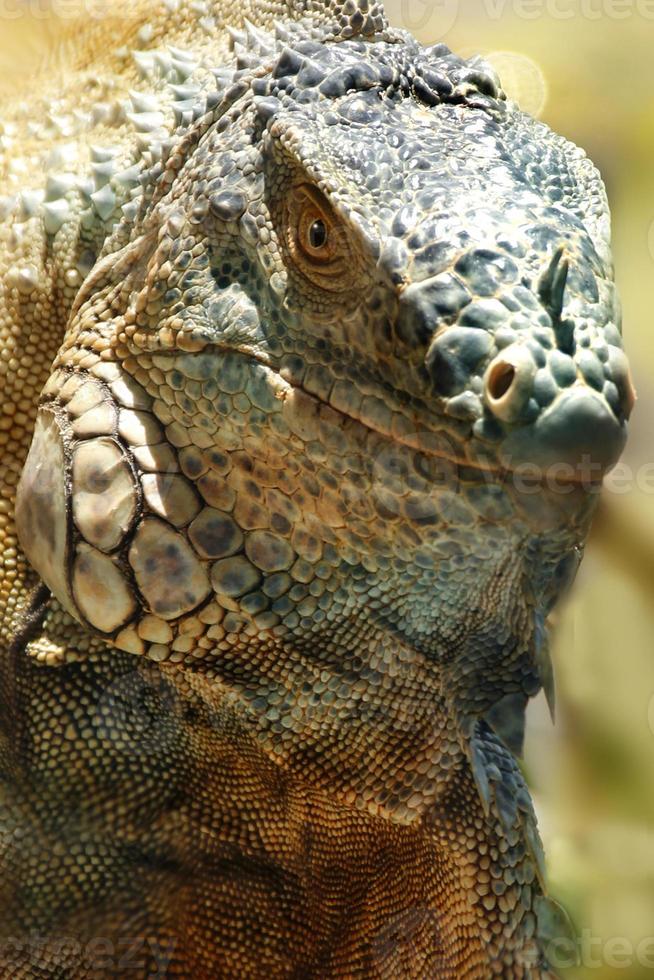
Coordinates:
(316,240)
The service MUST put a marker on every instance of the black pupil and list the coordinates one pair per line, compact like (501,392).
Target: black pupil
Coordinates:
(318,234)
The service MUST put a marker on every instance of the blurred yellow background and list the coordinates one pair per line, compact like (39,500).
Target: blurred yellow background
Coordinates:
(585,67)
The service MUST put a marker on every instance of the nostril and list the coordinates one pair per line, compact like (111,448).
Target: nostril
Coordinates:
(500,379)
(509,382)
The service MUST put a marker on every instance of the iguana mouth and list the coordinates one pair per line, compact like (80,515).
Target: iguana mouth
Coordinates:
(558,474)
(91,499)
(586,475)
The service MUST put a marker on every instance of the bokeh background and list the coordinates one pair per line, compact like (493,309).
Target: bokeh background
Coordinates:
(586,67)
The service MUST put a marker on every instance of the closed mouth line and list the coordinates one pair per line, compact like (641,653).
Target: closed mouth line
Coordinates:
(526,471)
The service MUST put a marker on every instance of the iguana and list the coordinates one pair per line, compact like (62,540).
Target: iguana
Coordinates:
(315,340)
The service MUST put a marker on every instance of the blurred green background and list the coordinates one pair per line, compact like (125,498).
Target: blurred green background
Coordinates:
(586,68)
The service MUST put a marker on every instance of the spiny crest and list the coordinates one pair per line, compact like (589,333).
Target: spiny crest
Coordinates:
(320,20)
(303,70)
(351,18)
(399,63)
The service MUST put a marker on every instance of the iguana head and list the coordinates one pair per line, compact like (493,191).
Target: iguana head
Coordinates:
(297,395)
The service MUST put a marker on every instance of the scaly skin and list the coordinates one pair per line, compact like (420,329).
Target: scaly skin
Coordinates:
(337,372)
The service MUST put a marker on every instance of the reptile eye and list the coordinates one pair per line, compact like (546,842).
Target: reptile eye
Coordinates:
(314,227)
(317,239)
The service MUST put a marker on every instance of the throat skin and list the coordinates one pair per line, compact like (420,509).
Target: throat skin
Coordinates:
(269,721)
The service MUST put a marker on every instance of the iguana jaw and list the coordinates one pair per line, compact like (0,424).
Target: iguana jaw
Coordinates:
(96,513)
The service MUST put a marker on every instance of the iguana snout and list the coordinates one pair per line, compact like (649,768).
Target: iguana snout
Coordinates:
(541,379)
(578,437)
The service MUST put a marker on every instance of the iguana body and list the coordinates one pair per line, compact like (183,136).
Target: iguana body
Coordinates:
(312,296)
